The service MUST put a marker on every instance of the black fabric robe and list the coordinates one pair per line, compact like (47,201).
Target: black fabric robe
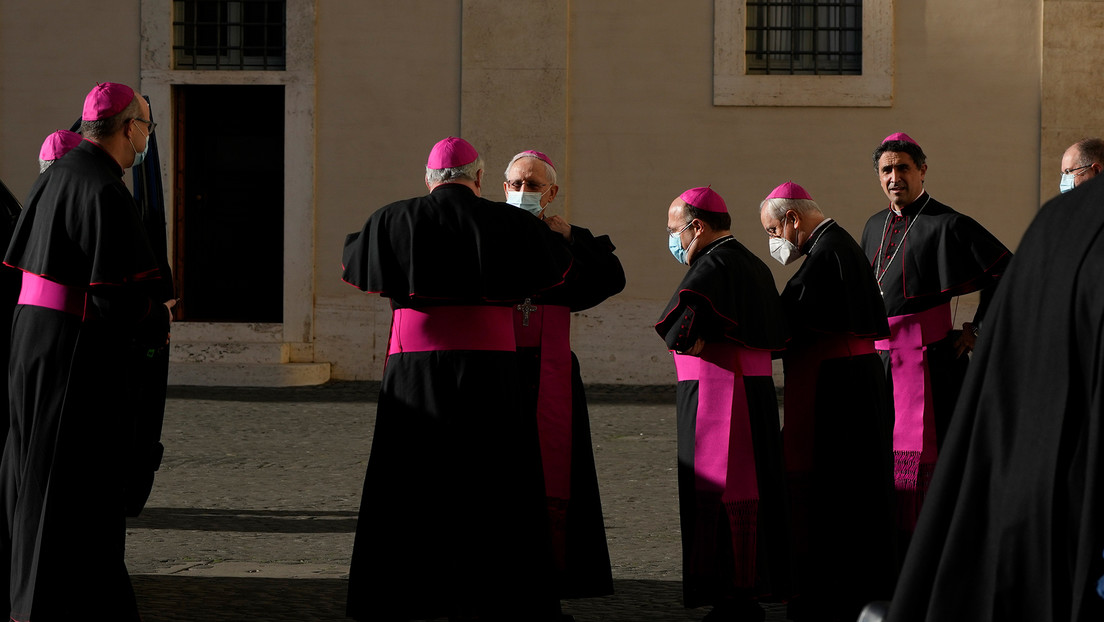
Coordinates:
(65,463)
(453,518)
(584,571)
(1013,526)
(728,296)
(922,259)
(839,428)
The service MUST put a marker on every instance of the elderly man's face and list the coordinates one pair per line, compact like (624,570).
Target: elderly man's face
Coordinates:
(1071,165)
(530,175)
(902,181)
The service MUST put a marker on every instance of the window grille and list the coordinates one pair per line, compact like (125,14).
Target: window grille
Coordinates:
(804,37)
(230,34)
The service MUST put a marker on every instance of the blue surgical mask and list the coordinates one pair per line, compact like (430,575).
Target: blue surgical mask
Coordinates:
(528,201)
(140,156)
(1067,183)
(674,244)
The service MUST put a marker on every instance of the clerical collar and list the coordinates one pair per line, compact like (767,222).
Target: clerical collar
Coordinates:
(912,208)
(712,246)
(814,237)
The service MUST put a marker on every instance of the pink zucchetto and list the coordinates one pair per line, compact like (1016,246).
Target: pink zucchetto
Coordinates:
(106,100)
(451,153)
(900,136)
(789,190)
(704,199)
(58,144)
(538,155)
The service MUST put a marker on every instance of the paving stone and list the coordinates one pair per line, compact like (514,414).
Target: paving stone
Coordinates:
(253,512)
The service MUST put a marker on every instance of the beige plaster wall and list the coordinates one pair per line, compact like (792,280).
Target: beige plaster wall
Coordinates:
(619,93)
(388,80)
(642,129)
(1073,35)
(632,82)
(51,55)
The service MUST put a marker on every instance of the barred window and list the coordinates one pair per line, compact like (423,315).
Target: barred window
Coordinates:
(230,34)
(804,37)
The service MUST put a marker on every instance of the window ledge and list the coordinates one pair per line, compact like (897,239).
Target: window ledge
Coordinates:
(733,87)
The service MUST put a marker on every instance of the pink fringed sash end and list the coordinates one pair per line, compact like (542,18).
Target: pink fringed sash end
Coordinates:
(911,478)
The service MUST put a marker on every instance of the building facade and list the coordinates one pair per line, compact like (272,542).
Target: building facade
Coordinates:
(274,149)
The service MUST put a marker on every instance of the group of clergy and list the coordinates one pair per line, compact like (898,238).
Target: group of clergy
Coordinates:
(819,514)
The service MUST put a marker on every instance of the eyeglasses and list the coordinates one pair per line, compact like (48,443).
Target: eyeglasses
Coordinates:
(1077,168)
(530,186)
(149,124)
(679,232)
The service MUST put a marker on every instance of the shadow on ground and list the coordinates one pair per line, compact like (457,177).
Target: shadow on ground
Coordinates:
(174,598)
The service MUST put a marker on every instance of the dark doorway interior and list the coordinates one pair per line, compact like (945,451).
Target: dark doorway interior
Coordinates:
(229,212)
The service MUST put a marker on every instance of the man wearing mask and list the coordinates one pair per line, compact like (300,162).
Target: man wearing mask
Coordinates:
(552,387)
(89,283)
(838,434)
(1082,161)
(924,254)
(453,520)
(721,326)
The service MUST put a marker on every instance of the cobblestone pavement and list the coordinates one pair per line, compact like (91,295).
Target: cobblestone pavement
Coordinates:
(254,508)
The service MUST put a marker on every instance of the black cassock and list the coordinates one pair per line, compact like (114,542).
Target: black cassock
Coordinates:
(838,432)
(1013,527)
(452,518)
(732,499)
(552,390)
(923,258)
(66,459)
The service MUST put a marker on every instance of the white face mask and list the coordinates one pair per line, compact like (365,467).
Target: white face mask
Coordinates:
(1068,182)
(528,201)
(783,250)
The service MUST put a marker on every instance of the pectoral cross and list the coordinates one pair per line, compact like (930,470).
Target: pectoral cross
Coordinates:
(526,308)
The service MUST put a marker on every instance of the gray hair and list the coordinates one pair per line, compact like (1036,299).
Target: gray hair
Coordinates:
(436,176)
(43,165)
(526,154)
(104,128)
(777,208)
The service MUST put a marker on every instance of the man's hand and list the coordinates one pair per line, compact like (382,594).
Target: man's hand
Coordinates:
(559,225)
(169,304)
(966,341)
(696,348)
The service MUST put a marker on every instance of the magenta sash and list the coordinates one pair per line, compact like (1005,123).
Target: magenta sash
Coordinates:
(724,458)
(41,292)
(724,453)
(451,328)
(914,448)
(802,372)
(549,328)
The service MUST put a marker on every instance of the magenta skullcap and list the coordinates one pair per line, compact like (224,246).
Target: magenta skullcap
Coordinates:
(106,100)
(900,136)
(704,199)
(451,153)
(789,190)
(538,155)
(58,144)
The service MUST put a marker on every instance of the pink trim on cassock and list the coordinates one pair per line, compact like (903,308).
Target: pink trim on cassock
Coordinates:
(802,372)
(41,292)
(724,453)
(914,449)
(451,328)
(549,329)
